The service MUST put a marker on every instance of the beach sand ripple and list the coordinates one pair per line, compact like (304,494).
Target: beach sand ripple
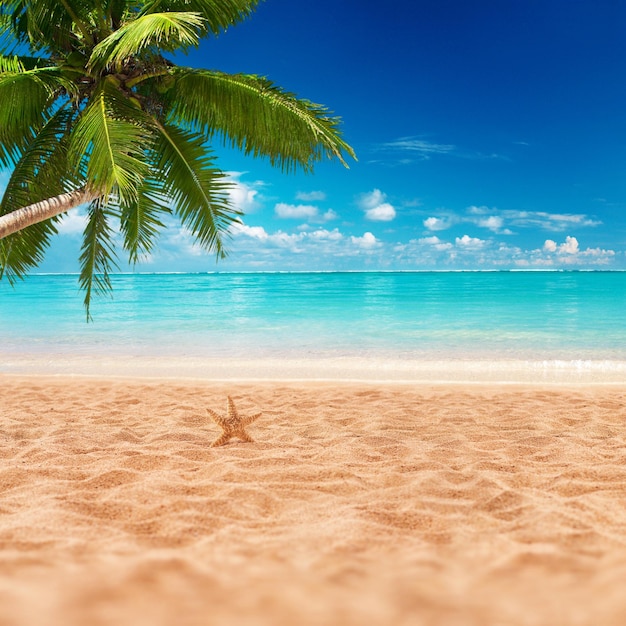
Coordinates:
(356,504)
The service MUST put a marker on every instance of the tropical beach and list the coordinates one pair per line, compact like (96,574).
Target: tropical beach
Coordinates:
(377,489)
(390,394)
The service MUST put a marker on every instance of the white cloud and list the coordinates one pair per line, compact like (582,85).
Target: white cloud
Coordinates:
(478,210)
(366,241)
(549,221)
(570,246)
(311,196)
(303,211)
(243,196)
(382,213)
(292,241)
(493,223)
(435,242)
(436,223)
(570,253)
(497,221)
(325,235)
(598,253)
(371,199)
(255,232)
(254,247)
(375,207)
(469,242)
(295,211)
(422,147)
(73,222)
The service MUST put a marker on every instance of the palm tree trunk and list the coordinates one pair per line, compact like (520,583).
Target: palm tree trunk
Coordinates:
(40,211)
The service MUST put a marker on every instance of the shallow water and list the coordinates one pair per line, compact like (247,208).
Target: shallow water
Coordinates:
(573,319)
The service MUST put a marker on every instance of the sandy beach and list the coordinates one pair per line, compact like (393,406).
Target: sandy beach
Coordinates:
(386,504)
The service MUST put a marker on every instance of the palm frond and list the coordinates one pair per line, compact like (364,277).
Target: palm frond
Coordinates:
(218,16)
(25,250)
(19,63)
(257,117)
(140,223)
(53,26)
(108,144)
(169,31)
(40,173)
(27,98)
(197,188)
(97,256)
(10,64)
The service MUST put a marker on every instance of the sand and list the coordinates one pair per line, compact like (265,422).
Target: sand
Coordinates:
(357,504)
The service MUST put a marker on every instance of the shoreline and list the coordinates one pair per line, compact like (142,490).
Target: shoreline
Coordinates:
(341,369)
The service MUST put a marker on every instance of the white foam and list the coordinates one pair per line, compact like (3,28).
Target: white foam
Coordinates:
(322,369)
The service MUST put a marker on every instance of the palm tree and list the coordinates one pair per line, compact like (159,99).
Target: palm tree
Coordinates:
(94,112)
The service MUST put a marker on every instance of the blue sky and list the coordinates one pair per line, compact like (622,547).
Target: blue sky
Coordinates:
(490,134)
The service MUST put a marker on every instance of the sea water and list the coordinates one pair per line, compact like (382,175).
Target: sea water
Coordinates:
(397,325)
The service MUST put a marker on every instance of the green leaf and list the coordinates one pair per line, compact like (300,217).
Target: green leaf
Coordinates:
(53,26)
(197,188)
(40,173)
(217,15)
(140,223)
(167,31)
(21,252)
(257,117)
(108,145)
(26,97)
(97,257)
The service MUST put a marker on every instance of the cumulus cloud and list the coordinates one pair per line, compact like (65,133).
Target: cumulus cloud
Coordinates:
(311,196)
(243,196)
(322,234)
(570,246)
(598,253)
(493,223)
(366,241)
(437,223)
(375,207)
(469,242)
(283,239)
(570,253)
(295,211)
(435,242)
(491,219)
(382,213)
(255,232)
(303,211)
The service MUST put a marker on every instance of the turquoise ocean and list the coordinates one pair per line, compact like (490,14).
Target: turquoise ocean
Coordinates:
(466,326)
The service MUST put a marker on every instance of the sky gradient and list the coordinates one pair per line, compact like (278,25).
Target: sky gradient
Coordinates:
(489,134)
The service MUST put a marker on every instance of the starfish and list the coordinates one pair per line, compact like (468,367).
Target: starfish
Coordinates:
(233,425)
